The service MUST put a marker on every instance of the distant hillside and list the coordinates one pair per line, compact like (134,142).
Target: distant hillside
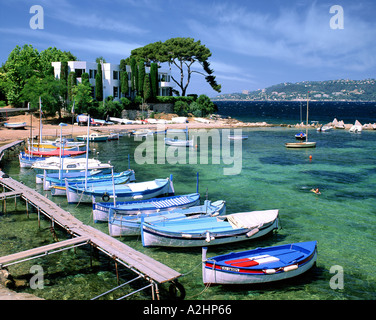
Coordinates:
(331,90)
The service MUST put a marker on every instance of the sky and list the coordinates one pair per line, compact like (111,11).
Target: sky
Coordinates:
(254,43)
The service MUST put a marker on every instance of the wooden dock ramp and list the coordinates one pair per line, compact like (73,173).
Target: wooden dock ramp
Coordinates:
(42,251)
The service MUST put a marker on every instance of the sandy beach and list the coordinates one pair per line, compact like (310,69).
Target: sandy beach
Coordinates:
(53,130)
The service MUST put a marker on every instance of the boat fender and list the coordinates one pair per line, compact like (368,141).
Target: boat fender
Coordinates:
(290,268)
(185,235)
(252,232)
(207,239)
(137,197)
(105,197)
(269,271)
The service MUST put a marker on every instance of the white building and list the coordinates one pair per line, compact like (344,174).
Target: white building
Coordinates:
(111,77)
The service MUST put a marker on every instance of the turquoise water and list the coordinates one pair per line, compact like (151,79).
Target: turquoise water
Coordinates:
(342,219)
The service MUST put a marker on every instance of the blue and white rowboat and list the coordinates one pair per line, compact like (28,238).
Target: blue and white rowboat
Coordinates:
(259,265)
(125,225)
(123,192)
(149,206)
(204,231)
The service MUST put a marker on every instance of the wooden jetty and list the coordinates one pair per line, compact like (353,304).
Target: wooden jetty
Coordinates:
(10,146)
(144,266)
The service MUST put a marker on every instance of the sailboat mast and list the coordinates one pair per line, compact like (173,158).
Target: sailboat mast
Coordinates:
(307,117)
(87,149)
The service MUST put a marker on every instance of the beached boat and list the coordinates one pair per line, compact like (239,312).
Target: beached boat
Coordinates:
(95,137)
(15,125)
(325,128)
(149,206)
(178,142)
(123,192)
(356,128)
(204,231)
(121,121)
(259,265)
(125,225)
(237,137)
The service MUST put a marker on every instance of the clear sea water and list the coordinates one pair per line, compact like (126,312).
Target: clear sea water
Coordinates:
(342,219)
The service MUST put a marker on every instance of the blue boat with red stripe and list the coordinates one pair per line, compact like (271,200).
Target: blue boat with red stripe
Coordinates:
(260,265)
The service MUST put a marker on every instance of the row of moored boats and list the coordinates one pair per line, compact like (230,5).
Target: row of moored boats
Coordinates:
(151,210)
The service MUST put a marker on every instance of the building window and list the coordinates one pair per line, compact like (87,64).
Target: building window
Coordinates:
(92,73)
(116,92)
(115,75)
(79,72)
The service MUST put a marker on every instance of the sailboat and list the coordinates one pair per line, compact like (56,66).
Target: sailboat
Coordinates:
(303,144)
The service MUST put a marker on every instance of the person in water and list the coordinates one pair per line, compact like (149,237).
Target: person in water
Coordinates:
(317,191)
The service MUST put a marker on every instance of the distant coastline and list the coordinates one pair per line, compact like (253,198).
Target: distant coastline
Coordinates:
(330,90)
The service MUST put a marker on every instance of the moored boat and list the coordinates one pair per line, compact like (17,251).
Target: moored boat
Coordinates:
(259,265)
(305,144)
(59,188)
(300,136)
(125,225)
(122,192)
(179,142)
(204,231)
(120,177)
(148,206)
(238,137)
(95,137)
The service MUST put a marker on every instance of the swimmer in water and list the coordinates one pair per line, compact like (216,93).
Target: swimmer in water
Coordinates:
(317,191)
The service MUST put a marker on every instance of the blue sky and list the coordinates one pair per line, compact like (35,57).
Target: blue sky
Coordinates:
(254,44)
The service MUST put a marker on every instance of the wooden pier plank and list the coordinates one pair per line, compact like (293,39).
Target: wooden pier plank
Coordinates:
(10,194)
(37,251)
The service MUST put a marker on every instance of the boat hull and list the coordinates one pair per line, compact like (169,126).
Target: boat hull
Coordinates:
(101,209)
(120,225)
(121,177)
(217,270)
(92,195)
(300,145)
(15,125)
(179,143)
(157,236)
